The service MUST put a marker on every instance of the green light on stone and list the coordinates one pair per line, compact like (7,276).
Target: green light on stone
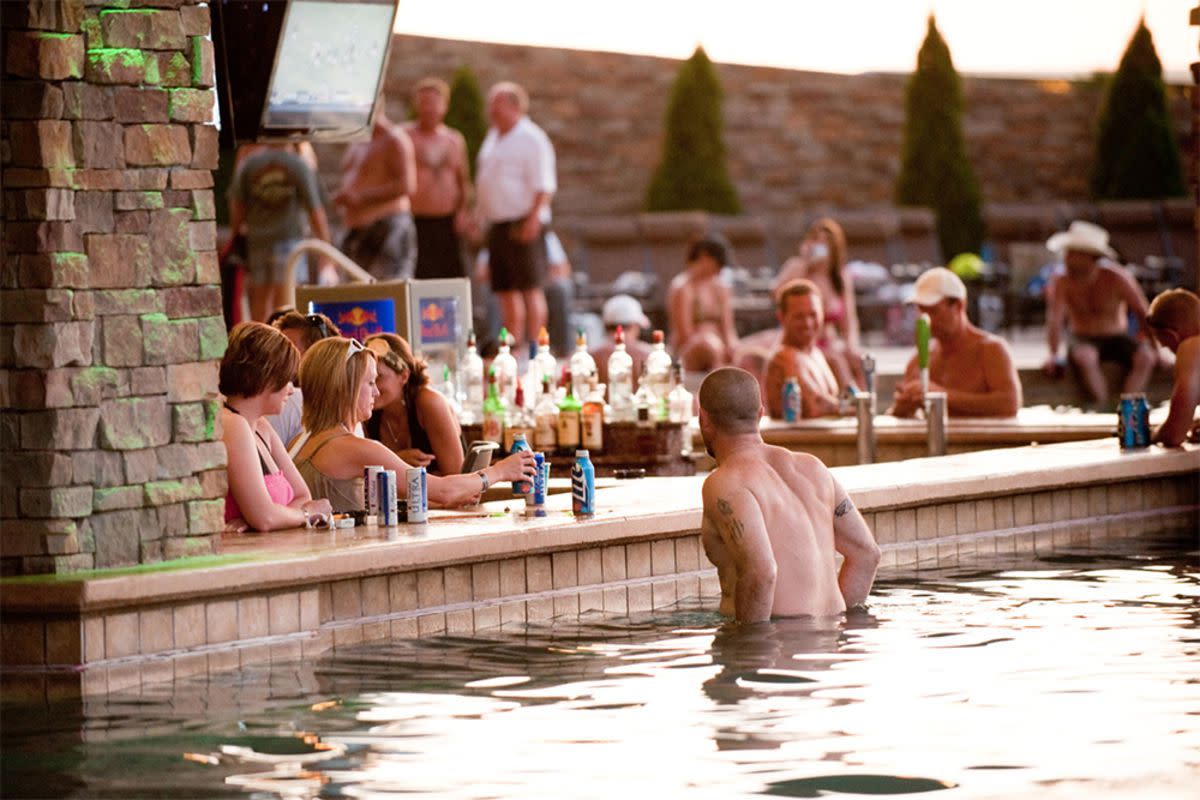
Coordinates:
(49,35)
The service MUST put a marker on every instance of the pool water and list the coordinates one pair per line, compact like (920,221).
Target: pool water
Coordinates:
(1071,676)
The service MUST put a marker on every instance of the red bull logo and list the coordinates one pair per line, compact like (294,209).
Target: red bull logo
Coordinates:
(357,317)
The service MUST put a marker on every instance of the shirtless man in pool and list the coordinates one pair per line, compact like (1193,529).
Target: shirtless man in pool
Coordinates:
(774,519)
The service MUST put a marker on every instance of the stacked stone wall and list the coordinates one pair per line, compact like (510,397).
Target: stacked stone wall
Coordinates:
(797,142)
(110,305)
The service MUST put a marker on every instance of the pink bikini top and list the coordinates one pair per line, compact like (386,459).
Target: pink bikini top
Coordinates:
(280,491)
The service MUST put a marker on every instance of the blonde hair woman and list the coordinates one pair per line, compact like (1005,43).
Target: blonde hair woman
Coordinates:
(266,491)
(339,377)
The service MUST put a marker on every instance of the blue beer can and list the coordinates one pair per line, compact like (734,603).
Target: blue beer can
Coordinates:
(583,485)
(537,497)
(418,495)
(1133,421)
(386,492)
(791,400)
(521,488)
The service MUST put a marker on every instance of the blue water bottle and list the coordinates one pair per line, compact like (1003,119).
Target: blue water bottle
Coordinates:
(521,488)
(791,400)
(583,485)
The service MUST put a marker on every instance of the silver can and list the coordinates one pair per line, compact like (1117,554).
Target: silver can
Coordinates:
(371,489)
(389,514)
(418,495)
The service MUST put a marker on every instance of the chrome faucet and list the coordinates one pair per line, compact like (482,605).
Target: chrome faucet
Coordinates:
(935,419)
(864,412)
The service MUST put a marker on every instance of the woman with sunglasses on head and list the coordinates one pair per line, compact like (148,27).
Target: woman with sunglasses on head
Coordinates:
(266,491)
(339,378)
(411,417)
(302,330)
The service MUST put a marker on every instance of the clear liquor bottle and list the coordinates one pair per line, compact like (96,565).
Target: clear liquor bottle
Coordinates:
(582,365)
(620,380)
(505,365)
(473,382)
(658,366)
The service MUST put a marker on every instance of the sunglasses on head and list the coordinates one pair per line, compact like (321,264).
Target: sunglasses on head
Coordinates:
(355,346)
(318,322)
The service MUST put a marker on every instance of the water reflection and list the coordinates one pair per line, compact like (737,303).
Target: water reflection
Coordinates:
(1054,679)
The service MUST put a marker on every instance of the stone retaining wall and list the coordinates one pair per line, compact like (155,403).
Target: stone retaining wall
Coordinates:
(110,306)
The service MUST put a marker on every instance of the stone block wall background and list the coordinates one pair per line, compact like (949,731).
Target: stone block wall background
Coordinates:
(797,142)
(110,309)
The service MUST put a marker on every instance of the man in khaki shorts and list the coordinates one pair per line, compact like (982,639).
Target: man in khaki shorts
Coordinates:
(774,519)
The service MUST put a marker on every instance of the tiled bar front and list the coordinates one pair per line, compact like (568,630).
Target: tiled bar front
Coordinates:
(642,552)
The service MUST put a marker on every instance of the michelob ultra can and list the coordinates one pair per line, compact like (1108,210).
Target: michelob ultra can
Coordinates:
(537,497)
(371,489)
(791,400)
(389,514)
(418,496)
(583,484)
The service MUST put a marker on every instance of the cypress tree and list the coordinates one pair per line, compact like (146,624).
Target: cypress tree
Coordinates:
(465,112)
(1137,155)
(934,169)
(692,174)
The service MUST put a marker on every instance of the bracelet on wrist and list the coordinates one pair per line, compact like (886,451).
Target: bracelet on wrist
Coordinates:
(484,478)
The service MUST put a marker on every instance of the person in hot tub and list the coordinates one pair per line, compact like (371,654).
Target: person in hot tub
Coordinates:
(1174,320)
(773,519)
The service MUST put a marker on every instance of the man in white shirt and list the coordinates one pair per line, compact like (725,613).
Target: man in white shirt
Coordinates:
(514,183)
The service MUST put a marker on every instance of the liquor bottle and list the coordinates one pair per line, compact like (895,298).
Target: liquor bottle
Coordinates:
(581,365)
(505,365)
(583,485)
(658,366)
(472,375)
(645,402)
(592,417)
(520,488)
(544,361)
(545,420)
(568,421)
(520,420)
(449,390)
(494,411)
(620,380)
(679,407)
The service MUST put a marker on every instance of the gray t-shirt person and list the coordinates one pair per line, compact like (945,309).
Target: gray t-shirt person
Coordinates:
(279,191)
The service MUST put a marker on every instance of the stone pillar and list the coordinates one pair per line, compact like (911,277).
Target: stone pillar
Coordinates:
(110,305)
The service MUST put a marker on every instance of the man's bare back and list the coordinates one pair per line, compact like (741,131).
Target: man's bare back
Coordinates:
(773,521)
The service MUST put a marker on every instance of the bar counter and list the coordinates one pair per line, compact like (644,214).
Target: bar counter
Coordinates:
(293,594)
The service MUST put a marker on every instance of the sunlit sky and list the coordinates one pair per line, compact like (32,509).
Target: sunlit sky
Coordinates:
(1061,38)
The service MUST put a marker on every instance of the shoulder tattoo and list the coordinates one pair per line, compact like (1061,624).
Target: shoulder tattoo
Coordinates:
(843,507)
(732,525)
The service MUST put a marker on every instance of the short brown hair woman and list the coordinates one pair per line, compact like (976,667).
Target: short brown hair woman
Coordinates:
(339,378)
(266,491)
(411,417)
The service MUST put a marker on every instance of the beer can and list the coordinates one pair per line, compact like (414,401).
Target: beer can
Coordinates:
(791,400)
(371,489)
(541,474)
(1133,421)
(521,488)
(388,513)
(418,497)
(583,484)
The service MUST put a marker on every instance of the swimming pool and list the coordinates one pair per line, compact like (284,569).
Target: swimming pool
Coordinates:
(1061,677)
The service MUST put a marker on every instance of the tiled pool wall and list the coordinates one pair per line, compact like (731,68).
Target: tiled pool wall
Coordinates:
(123,648)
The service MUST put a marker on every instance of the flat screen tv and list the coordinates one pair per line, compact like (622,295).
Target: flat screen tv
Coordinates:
(300,69)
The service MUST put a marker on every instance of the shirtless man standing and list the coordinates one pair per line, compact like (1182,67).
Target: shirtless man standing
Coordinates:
(773,519)
(378,176)
(801,320)
(1174,319)
(974,368)
(1094,297)
(439,204)
(700,309)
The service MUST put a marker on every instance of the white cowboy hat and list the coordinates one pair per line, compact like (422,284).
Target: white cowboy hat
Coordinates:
(1083,237)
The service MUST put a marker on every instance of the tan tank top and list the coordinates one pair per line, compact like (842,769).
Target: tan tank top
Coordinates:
(345,494)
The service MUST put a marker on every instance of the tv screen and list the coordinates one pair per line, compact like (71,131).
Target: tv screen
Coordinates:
(299,69)
(328,67)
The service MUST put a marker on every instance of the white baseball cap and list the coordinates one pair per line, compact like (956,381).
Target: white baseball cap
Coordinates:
(623,309)
(935,285)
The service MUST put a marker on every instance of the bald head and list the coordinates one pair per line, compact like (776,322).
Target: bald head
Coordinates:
(730,398)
